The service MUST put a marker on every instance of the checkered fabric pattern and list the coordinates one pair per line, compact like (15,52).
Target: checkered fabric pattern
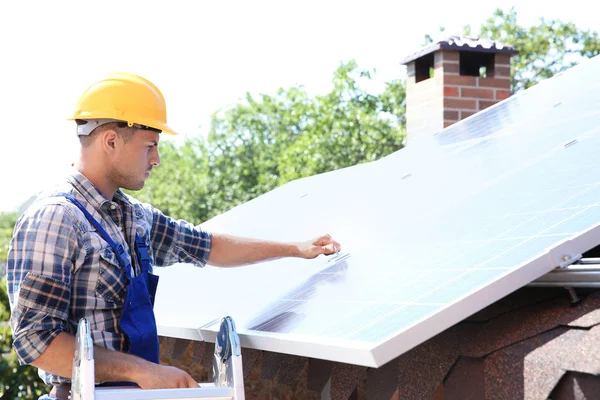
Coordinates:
(60,269)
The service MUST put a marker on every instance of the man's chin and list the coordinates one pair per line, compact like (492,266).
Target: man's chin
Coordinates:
(135,187)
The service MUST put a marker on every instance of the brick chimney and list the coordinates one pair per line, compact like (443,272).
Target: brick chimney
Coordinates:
(453,79)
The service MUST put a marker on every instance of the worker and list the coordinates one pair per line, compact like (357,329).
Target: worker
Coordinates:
(86,249)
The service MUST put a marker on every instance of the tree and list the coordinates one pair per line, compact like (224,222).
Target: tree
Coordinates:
(544,49)
(348,126)
(246,140)
(16,381)
(7,223)
(267,140)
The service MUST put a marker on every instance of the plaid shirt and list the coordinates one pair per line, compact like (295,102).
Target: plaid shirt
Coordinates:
(61,270)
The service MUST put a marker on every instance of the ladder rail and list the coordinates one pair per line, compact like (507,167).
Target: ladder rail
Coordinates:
(228,373)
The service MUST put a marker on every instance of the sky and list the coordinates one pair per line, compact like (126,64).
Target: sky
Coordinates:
(203,55)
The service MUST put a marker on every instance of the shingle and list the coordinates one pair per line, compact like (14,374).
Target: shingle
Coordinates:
(577,386)
(167,344)
(527,321)
(466,380)
(345,379)
(519,299)
(589,314)
(463,43)
(319,372)
(439,393)
(474,43)
(198,350)
(208,356)
(576,350)
(508,376)
(517,325)
(270,365)
(422,369)
(290,368)
(382,382)
(249,358)
(180,347)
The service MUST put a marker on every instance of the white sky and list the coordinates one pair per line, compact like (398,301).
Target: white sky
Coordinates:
(202,55)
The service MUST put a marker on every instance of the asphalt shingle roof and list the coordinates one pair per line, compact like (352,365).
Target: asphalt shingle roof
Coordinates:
(532,344)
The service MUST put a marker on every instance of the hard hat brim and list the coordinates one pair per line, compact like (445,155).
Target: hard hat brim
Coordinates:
(163,127)
(87,129)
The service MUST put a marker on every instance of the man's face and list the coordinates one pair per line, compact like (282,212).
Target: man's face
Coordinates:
(136,158)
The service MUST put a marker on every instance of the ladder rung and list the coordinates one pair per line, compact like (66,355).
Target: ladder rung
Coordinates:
(202,393)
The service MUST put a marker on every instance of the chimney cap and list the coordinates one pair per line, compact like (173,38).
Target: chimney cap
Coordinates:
(463,43)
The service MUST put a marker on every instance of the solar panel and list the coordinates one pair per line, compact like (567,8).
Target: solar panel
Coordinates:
(431,234)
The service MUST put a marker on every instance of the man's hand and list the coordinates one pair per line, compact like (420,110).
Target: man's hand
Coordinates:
(321,245)
(164,377)
(113,366)
(229,251)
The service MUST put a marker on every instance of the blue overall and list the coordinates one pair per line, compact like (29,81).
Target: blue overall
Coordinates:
(137,317)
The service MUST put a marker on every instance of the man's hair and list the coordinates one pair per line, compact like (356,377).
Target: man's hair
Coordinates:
(121,128)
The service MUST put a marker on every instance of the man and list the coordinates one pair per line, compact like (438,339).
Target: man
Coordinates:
(84,249)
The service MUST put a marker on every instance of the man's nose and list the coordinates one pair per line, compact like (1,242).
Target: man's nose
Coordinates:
(156,161)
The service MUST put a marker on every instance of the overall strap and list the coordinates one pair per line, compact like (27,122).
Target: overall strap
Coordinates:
(117,248)
(141,251)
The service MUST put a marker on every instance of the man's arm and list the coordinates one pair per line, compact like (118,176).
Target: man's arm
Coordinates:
(180,241)
(40,274)
(229,251)
(112,366)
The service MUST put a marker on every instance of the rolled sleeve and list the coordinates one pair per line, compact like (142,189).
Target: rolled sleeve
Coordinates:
(39,276)
(178,241)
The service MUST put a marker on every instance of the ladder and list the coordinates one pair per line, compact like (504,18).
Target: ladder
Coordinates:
(228,378)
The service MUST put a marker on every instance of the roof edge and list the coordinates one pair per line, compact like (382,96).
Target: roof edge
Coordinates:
(461,43)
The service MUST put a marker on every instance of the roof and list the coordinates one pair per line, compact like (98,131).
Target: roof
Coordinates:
(532,344)
(463,43)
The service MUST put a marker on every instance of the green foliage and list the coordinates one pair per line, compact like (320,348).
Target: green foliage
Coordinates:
(7,223)
(268,140)
(348,126)
(16,382)
(545,49)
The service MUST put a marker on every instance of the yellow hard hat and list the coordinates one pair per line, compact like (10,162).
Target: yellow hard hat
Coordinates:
(124,97)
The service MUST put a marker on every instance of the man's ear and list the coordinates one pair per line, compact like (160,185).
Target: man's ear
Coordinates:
(109,140)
